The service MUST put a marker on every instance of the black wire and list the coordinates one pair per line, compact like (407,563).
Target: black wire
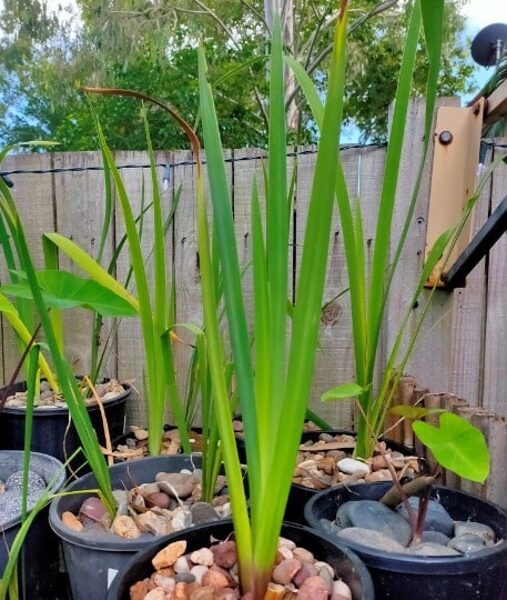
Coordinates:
(178,164)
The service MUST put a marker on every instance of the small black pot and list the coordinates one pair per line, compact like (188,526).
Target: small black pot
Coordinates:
(478,576)
(300,494)
(38,565)
(345,562)
(50,424)
(92,560)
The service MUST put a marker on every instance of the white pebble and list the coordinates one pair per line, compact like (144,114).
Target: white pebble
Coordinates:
(181,565)
(203,556)
(198,572)
(351,466)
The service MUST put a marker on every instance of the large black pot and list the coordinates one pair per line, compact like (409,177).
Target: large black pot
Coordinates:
(50,425)
(346,563)
(300,494)
(92,560)
(38,565)
(478,576)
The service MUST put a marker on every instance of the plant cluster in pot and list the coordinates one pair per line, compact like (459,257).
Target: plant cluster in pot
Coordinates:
(422,541)
(273,376)
(60,290)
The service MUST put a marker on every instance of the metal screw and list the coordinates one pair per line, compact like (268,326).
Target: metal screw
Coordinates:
(445,137)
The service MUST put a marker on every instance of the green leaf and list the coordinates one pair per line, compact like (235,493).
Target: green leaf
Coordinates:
(65,290)
(414,412)
(343,392)
(6,306)
(457,445)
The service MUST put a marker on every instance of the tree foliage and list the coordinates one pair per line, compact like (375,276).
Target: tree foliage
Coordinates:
(149,45)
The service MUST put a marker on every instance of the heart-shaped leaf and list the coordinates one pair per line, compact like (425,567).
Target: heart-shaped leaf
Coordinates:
(457,445)
(64,290)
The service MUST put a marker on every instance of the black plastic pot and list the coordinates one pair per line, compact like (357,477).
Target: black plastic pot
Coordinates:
(346,563)
(38,566)
(478,576)
(300,494)
(50,425)
(92,560)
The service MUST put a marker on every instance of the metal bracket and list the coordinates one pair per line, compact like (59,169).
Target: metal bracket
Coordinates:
(484,240)
(455,162)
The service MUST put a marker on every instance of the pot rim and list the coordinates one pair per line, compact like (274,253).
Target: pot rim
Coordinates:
(42,411)
(358,565)
(416,563)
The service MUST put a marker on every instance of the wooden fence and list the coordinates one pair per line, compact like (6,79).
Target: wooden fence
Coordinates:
(462,349)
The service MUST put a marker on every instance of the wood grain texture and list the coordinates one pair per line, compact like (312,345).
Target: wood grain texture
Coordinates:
(33,194)
(495,358)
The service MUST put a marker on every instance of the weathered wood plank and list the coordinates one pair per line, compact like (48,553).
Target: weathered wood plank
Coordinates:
(80,204)
(33,194)
(495,359)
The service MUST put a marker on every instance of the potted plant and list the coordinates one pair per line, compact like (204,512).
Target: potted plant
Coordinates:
(456,543)
(273,376)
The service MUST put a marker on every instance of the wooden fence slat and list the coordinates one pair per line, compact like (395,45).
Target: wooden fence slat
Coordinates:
(33,194)
(82,223)
(495,360)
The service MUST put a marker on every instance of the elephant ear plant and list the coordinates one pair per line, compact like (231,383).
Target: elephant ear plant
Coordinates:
(370,286)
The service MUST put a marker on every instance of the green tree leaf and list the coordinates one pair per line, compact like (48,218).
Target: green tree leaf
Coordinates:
(342,392)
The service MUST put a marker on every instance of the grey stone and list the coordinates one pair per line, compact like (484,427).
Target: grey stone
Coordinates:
(10,504)
(202,512)
(467,543)
(435,537)
(437,518)
(473,528)
(176,484)
(329,527)
(370,514)
(371,539)
(429,549)
(184,577)
(35,482)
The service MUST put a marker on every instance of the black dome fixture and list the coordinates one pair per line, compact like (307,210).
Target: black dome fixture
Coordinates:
(490,44)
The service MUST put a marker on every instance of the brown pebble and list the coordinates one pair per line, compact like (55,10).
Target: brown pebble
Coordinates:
(180,592)
(169,555)
(203,593)
(155,594)
(307,570)
(139,590)
(225,554)
(215,578)
(285,571)
(71,521)
(159,499)
(314,588)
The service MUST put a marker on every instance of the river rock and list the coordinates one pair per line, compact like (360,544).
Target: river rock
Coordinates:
(125,527)
(429,549)
(313,588)
(472,527)
(181,518)
(351,466)
(159,499)
(202,512)
(341,589)
(93,509)
(370,514)
(153,523)
(285,570)
(435,537)
(225,554)
(371,539)
(169,555)
(35,482)
(215,578)
(71,521)
(329,527)
(467,543)
(198,572)
(437,518)
(177,485)
(203,556)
